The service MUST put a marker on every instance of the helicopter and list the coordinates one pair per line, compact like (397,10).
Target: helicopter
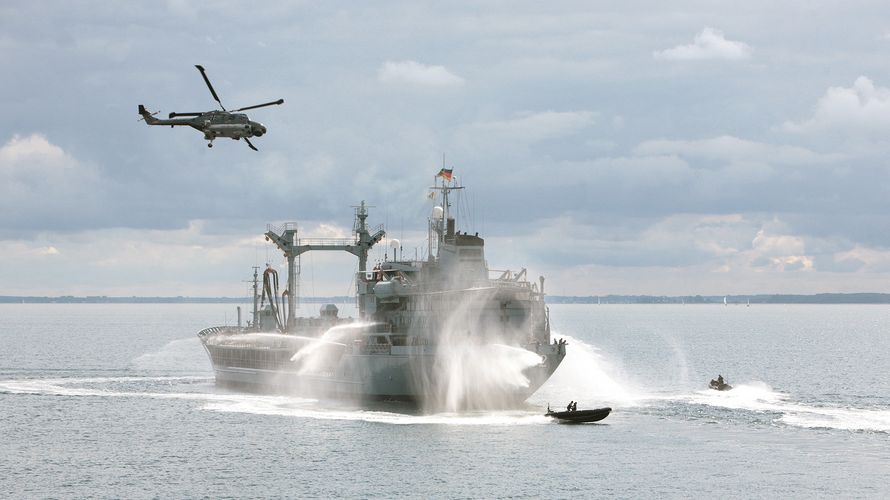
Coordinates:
(213,124)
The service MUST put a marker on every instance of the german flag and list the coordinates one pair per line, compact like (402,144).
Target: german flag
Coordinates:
(445,173)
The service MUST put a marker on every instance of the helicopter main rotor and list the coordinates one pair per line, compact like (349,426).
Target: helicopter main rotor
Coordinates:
(213,93)
(270,103)
(209,86)
(175,114)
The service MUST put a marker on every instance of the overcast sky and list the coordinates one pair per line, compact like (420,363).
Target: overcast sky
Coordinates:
(705,148)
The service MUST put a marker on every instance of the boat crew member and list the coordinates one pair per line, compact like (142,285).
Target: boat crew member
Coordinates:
(570,406)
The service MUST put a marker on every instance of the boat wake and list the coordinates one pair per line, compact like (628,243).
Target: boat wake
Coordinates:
(760,397)
(322,411)
(105,387)
(588,376)
(231,402)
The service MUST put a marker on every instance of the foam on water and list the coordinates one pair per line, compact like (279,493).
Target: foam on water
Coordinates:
(586,375)
(288,406)
(75,387)
(316,410)
(86,387)
(757,396)
(851,419)
(760,397)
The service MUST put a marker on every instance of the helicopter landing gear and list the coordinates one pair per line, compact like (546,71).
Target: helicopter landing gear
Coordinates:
(209,144)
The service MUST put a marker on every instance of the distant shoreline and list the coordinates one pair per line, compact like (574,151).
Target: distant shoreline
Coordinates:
(821,298)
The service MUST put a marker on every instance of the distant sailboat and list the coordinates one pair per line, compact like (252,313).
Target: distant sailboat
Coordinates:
(748,304)
(724,300)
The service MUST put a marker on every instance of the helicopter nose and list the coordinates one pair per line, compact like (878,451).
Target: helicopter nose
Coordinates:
(258,129)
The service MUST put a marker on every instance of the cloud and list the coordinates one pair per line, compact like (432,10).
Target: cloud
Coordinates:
(90,260)
(838,264)
(735,244)
(41,185)
(729,148)
(709,44)
(32,149)
(782,252)
(669,242)
(196,260)
(661,145)
(531,127)
(415,73)
(862,108)
(858,258)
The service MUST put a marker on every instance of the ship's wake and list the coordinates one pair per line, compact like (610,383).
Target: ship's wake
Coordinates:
(586,375)
(590,377)
(232,402)
(322,410)
(760,398)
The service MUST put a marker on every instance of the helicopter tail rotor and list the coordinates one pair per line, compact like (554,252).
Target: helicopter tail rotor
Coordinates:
(146,116)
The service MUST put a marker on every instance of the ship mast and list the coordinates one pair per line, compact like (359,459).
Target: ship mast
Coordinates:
(446,224)
(256,296)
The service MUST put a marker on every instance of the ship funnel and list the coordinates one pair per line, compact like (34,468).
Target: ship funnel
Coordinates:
(438,213)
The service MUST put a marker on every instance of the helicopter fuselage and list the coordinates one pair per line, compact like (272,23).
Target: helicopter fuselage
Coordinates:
(223,124)
(218,124)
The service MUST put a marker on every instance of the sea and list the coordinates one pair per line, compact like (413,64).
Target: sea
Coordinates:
(119,401)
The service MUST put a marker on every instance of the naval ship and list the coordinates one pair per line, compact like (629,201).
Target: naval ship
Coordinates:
(442,330)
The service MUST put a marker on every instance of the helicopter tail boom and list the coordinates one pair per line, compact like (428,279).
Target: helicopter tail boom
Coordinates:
(150,119)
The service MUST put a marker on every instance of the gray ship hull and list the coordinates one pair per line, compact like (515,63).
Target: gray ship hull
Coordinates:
(404,373)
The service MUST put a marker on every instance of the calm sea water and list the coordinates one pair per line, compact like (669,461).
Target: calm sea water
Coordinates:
(119,401)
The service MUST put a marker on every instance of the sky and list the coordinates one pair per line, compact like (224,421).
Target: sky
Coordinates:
(640,147)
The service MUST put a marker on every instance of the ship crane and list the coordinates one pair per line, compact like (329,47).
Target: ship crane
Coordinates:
(292,247)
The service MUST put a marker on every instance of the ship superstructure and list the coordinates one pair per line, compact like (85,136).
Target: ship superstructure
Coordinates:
(444,330)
